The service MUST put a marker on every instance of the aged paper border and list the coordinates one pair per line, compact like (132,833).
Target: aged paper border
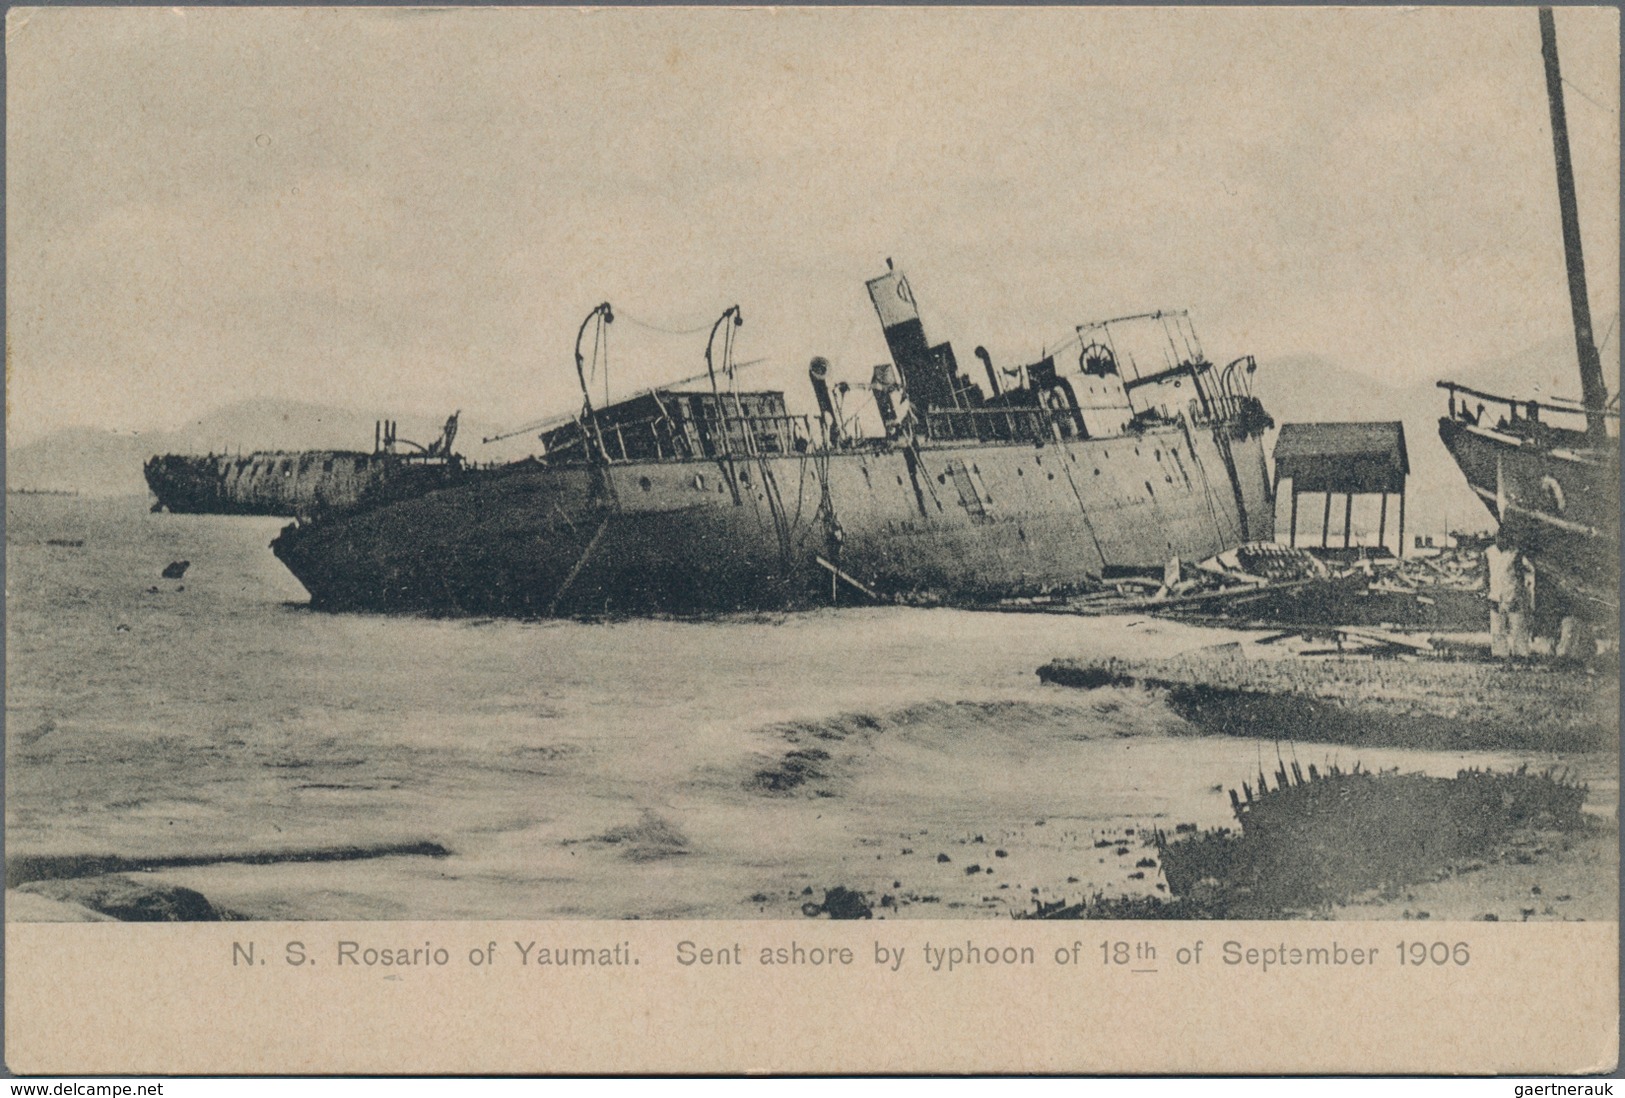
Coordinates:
(124,999)
(182,999)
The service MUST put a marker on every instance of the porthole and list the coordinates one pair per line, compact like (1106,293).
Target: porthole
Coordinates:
(646,484)
(699,482)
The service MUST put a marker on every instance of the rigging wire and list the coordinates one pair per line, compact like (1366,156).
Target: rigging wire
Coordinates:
(555,420)
(1581,93)
(1604,342)
(619,315)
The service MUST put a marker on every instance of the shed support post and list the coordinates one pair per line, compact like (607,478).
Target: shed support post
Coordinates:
(1348,516)
(1294,536)
(1402,523)
(1326,521)
(1382,523)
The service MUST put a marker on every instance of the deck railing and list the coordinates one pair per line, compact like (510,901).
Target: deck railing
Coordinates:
(991,424)
(1220,409)
(660,438)
(1520,408)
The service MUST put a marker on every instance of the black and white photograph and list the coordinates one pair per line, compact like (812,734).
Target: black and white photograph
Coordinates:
(990,466)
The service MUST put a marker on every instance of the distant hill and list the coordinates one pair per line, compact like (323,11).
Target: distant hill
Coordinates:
(1310,389)
(80,459)
(1301,389)
(266,424)
(103,462)
(1307,389)
(1547,369)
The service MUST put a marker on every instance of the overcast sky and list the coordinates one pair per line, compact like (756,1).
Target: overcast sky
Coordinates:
(412,211)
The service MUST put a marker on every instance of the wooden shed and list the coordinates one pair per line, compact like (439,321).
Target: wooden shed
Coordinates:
(1347,459)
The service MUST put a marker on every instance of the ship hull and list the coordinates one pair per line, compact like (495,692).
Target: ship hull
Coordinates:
(938,522)
(280,483)
(1557,501)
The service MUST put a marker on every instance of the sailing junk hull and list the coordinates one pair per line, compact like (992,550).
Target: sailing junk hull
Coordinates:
(963,522)
(1556,499)
(1555,491)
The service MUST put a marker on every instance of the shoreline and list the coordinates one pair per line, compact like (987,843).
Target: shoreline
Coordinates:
(1535,876)
(1436,704)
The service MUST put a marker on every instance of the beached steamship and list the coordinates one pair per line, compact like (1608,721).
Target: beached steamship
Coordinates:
(712,498)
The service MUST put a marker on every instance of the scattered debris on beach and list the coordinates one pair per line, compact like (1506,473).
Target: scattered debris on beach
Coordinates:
(1264,584)
(842,903)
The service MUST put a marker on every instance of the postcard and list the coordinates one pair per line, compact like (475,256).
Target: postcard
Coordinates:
(811,540)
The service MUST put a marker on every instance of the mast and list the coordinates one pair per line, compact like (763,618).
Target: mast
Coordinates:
(1593,392)
(589,422)
(724,442)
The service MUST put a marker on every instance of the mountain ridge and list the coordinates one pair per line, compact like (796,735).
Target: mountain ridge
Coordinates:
(101,462)
(1302,388)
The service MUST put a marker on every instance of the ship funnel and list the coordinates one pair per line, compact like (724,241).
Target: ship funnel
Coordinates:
(923,378)
(928,376)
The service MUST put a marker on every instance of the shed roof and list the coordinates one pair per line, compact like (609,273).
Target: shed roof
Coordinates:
(1343,457)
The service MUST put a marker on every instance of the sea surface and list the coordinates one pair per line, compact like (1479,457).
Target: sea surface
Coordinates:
(734,767)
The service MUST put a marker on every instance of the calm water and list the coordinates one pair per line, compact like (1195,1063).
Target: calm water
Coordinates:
(655,769)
